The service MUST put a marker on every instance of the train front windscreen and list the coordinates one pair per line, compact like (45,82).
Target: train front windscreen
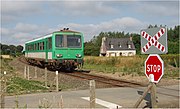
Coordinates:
(70,41)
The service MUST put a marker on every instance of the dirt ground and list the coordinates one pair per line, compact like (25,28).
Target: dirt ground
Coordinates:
(139,79)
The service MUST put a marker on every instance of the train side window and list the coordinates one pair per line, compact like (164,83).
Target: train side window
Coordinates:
(50,43)
(42,45)
(26,48)
(34,46)
(38,46)
(29,47)
(59,41)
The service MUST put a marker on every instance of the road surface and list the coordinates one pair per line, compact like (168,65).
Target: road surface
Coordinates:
(168,96)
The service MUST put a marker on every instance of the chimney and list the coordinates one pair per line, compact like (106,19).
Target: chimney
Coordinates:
(103,40)
(130,38)
(103,46)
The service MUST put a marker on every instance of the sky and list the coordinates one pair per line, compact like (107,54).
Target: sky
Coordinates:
(23,20)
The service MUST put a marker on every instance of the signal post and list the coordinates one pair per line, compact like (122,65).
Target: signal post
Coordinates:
(153,42)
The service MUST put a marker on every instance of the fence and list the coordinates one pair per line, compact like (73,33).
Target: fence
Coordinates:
(28,76)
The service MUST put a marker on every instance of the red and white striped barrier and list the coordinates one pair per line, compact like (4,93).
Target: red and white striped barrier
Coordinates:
(153,40)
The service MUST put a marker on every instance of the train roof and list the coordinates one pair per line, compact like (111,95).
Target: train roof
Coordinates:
(67,31)
(50,34)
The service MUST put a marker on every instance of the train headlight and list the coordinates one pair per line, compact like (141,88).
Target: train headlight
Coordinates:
(59,55)
(78,55)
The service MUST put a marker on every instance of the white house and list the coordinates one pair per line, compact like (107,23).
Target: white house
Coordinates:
(117,47)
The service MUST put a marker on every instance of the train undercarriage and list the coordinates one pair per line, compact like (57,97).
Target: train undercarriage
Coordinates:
(60,65)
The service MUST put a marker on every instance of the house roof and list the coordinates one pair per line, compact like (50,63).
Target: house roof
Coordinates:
(119,44)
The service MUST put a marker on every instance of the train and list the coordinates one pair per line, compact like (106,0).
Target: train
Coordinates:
(62,50)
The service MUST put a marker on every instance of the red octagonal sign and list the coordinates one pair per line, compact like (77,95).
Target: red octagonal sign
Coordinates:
(154,66)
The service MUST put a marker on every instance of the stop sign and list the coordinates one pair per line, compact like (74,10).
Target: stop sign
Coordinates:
(154,65)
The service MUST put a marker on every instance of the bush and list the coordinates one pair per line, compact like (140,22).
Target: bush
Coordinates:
(171,59)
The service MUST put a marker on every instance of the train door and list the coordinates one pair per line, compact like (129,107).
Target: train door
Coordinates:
(46,49)
(49,48)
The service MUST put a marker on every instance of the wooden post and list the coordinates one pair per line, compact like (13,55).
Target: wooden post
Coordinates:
(175,62)
(17,102)
(153,91)
(143,96)
(57,82)
(35,72)
(61,102)
(5,80)
(3,89)
(153,95)
(152,88)
(2,100)
(1,93)
(92,94)
(45,76)
(28,71)
(25,71)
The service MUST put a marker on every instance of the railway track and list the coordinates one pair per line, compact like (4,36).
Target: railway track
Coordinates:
(107,81)
(23,60)
(101,81)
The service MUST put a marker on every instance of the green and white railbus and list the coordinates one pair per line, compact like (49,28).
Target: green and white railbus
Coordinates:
(62,49)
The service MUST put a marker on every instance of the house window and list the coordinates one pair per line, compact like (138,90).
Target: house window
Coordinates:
(129,46)
(120,54)
(119,45)
(112,46)
(130,54)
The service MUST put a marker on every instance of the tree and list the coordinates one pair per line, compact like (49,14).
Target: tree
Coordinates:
(19,48)
(10,49)
(5,49)
(137,42)
(93,47)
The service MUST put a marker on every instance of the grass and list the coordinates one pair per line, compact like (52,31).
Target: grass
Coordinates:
(4,66)
(130,65)
(17,84)
(114,64)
